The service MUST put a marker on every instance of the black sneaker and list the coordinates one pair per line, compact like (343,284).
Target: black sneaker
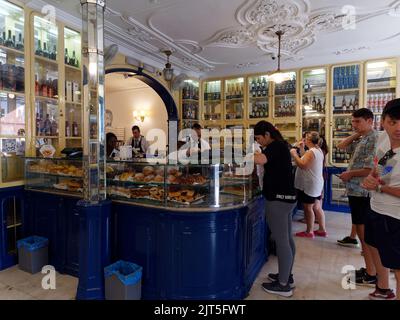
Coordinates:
(361,272)
(276,288)
(348,242)
(275,277)
(366,280)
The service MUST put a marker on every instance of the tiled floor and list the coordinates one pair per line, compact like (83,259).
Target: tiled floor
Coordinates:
(317,271)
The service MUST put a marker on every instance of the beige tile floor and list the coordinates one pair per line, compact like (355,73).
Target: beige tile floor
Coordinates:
(317,271)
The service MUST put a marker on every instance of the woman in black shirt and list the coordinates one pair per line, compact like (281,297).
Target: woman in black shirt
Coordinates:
(279,191)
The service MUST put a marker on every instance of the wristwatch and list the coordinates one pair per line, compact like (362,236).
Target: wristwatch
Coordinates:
(379,188)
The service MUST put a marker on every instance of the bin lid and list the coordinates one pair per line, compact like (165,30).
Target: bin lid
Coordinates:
(33,243)
(127,272)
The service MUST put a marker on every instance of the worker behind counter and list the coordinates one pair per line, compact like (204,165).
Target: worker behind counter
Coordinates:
(198,146)
(138,142)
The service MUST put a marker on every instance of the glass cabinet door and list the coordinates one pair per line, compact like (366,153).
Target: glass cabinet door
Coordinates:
(46,83)
(258,97)
(381,87)
(73,85)
(345,100)
(190,103)
(234,99)
(285,103)
(12,92)
(212,101)
(313,97)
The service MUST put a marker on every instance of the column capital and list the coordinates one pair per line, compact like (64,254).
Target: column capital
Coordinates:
(101,3)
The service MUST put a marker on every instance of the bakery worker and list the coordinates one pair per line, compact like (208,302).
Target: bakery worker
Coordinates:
(137,141)
(197,144)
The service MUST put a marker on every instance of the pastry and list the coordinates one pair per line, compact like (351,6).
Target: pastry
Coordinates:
(149,178)
(159,172)
(159,178)
(148,170)
(74,185)
(139,177)
(173,171)
(172,179)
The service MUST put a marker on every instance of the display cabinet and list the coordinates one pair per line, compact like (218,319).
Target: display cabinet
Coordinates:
(346,92)
(381,86)
(12,93)
(188,186)
(313,100)
(212,102)
(259,96)
(234,99)
(335,196)
(73,85)
(190,97)
(51,175)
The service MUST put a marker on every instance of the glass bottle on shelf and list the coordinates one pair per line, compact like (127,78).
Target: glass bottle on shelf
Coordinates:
(38,124)
(39,51)
(37,86)
(45,52)
(67,129)
(54,128)
(44,89)
(72,60)
(53,54)
(9,42)
(47,126)
(75,130)
(20,44)
(66,57)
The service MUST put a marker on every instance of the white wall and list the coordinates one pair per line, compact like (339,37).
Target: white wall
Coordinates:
(123,103)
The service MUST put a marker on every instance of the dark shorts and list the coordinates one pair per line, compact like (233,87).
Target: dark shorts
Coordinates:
(305,198)
(387,232)
(359,207)
(370,236)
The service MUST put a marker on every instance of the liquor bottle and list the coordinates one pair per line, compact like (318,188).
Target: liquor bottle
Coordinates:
(72,60)
(14,41)
(20,79)
(67,129)
(54,128)
(47,125)
(253,87)
(50,89)
(20,44)
(38,124)
(9,42)
(66,57)
(356,103)
(344,104)
(314,103)
(39,51)
(37,86)
(75,131)
(45,51)
(307,87)
(53,53)
(351,106)
(44,89)
(319,106)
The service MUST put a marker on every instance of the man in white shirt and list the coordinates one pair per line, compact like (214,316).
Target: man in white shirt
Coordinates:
(384,184)
(198,146)
(138,142)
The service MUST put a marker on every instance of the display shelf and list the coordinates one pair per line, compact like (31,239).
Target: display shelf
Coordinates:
(16,93)
(12,50)
(46,60)
(67,66)
(346,90)
(43,98)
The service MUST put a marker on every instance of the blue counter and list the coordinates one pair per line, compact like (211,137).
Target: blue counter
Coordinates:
(184,254)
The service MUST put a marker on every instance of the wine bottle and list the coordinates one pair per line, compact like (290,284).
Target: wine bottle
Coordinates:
(9,42)
(54,127)
(45,51)
(19,45)
(44,88)
(67,129)
(37,86)
(66,57)
(47,125)
(72,61)
(50,89)
(53,54)
(39,51)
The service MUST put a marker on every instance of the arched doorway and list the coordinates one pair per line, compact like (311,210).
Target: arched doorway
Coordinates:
(164,95)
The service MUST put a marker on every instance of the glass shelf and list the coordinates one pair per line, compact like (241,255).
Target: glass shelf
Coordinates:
(190,103)
(45,40)
(234,99)
(212,101)
(346,77)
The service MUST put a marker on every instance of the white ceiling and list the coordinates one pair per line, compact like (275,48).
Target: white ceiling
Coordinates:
(117,82)
(229,37)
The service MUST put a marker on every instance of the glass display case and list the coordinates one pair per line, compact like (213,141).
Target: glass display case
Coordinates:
(45,68)
(258,97)
(212,104)
(193,186)
(313,97)
(12,210)
(54,175)
(338,189)
(73,85)
(381,78)
(190,103)
(234,99)
(345,100)
(288,130)
(12,92)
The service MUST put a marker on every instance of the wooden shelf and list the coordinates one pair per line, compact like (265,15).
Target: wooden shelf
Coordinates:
(212,101)
(48,137)
(17,94)
(67,66)
(381,88)
(235,99)
(342,114)
(12,50)
(75,103)
(47,99)
(43,59)
(285,95)
(346,90)
(190,100)
(73,138)
(259,98)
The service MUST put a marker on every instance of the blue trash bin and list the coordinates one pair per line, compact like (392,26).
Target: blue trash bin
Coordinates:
(123,281)
(32,253)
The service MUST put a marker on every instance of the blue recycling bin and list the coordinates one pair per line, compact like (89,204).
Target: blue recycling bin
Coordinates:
(123,281)
(32,253)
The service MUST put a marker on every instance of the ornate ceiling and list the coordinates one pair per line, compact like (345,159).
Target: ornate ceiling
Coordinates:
(224,37)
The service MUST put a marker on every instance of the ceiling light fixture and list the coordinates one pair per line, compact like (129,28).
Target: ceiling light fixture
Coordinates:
(168,72)
(278,76)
